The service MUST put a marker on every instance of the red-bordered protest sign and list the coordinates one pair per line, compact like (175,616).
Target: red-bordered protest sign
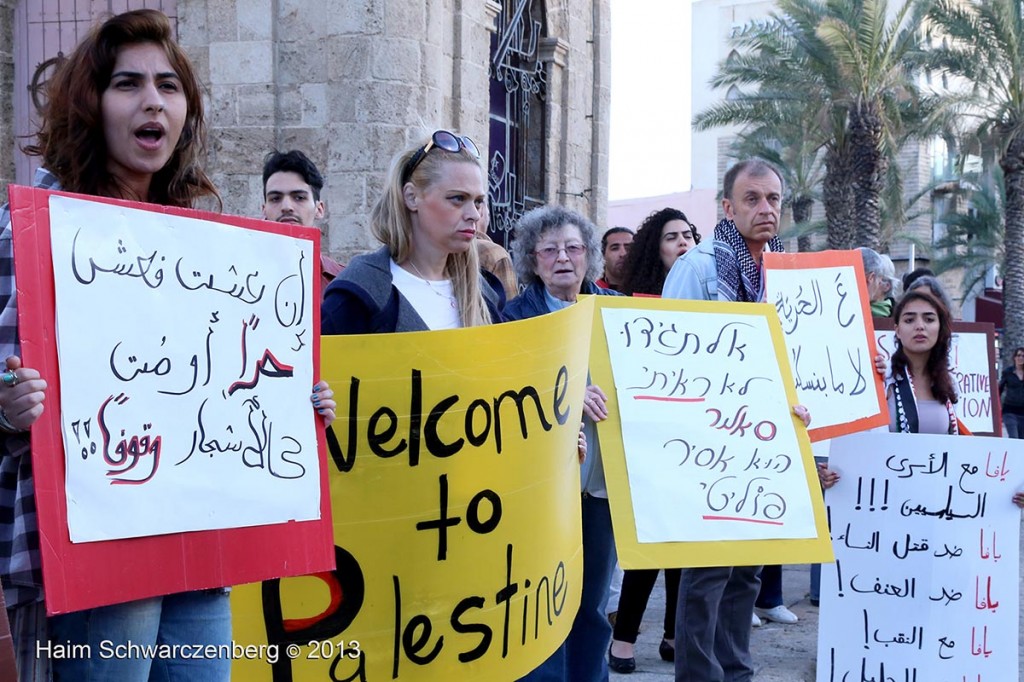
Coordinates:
(219,541)
(823,304)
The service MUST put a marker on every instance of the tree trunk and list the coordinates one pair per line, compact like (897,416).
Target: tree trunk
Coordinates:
(838,199)
(1012,163)
(867,172)
(802,206)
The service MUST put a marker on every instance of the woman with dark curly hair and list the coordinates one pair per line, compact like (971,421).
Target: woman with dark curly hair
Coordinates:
(662,237)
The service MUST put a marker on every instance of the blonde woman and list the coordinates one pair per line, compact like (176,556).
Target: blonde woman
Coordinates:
(426,275)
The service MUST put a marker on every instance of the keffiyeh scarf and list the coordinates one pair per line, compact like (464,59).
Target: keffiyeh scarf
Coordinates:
(906,406)
(739,277)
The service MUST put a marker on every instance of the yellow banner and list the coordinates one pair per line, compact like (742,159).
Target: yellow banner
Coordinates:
(456,501)
(705,462)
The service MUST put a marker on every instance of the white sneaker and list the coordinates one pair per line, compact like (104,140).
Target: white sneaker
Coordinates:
(755,622)
(779,614)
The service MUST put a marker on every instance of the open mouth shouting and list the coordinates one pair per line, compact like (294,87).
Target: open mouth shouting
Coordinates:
(150,136)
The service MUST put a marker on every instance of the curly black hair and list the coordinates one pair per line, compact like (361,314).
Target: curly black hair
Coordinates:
(645,273)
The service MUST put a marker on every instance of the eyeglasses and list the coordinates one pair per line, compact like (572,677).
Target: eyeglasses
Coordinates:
(551,252)
(448,141)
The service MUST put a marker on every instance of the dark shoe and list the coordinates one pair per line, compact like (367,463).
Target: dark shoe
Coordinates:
(667,651)
(623,666)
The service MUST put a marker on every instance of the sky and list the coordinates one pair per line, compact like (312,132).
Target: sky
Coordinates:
(650,109)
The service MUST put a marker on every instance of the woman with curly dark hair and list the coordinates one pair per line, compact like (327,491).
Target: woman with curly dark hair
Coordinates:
(663,237)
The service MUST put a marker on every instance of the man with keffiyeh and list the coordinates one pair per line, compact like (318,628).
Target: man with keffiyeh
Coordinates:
(716,604)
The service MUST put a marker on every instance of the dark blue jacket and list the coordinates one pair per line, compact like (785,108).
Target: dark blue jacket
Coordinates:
(364,300)
(532,302)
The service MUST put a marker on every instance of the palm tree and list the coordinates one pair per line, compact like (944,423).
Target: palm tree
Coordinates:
(849,65)
(983,43)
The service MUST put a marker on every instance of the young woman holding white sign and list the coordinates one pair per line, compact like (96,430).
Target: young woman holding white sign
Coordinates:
(124,119)
(664,236)
(919,388)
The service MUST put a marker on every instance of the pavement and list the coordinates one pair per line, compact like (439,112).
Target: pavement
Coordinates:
(782,653)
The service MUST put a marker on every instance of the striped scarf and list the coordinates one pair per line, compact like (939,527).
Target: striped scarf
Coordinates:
(739,277)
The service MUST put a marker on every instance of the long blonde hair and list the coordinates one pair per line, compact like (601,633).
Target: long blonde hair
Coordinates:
(391,224)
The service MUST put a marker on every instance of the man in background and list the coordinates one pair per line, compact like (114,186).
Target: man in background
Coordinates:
(291,194)
(615,247)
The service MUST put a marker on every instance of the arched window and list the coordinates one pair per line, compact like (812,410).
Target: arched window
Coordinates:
(518,84)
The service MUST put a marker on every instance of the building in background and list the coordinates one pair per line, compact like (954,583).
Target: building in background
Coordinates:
(351,82)
(700,207)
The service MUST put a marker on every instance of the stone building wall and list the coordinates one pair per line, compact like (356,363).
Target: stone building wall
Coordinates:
(353,82)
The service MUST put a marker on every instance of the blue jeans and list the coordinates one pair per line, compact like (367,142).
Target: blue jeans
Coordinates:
(188,618)
(582,656)
(713,624)
(1014,424)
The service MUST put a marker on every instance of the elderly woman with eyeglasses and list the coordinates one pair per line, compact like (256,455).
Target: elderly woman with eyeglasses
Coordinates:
(557,254)
(427,274)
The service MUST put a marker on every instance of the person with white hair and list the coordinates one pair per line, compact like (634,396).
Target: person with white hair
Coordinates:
(881,278)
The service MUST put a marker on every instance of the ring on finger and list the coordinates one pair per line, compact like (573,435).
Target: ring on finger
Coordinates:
(10,378)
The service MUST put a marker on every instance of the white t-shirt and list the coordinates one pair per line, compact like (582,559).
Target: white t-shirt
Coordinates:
(434,301)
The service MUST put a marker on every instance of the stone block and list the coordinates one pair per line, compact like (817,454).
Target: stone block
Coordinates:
(388,141)
(404,18)
(341,101)
(241,62)
(222,20)
(353,237)
(314,104)
(241,149)
(345,193)
(257,106)
(395,103)
(288,106)
(236,190)
(200,58)
(344,17)
(301,61)
(255,20)
(351,148)
(192,24)
(222,106)
(348,58)
(310,141)
(396,60)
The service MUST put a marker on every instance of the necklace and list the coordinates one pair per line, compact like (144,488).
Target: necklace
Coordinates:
(448,297)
